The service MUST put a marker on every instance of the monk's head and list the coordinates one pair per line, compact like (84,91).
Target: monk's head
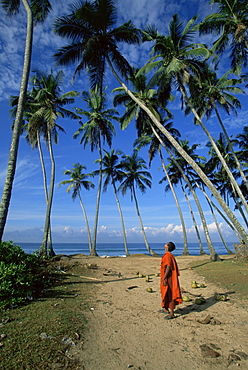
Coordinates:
(171,246)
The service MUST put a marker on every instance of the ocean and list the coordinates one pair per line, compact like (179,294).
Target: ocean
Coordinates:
(117,249)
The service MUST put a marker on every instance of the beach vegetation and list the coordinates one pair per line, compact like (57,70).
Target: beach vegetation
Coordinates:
(22,276)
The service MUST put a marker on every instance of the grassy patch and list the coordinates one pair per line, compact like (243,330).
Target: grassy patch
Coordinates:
(229,273)
(59,313)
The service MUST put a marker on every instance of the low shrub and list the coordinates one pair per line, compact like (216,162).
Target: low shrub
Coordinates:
(22,275)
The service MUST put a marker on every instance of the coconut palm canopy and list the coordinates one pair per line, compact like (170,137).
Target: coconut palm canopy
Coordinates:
(78,40)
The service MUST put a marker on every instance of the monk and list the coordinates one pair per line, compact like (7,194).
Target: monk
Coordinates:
(169,283)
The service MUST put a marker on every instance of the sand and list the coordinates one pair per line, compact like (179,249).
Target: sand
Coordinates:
(125,330)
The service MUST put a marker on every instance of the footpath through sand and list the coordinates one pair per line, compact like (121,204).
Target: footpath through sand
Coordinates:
(126,331)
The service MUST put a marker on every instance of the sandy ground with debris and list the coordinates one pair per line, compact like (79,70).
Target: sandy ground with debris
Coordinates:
(126,331)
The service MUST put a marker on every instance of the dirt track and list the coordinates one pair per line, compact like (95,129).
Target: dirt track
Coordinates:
(125,329)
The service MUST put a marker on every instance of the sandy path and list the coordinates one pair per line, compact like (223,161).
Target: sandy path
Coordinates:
(125,329)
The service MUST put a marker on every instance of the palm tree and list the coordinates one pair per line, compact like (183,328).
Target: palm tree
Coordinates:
(231,23)
(177,63)
(36,12)
(135,175)
(219,175)
(78,180)
(80,32)
(90,26)
(183,171)
(214,93)
(111,169)
(48,104)
(96,129)
(143,124)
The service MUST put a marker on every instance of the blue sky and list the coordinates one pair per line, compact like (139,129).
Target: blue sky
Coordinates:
(27,209)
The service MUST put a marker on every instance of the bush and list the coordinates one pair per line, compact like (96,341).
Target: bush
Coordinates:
(22,275)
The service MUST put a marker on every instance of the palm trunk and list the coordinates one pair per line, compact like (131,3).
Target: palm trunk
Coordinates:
(194,221)
(219,230)
(8,185)
(99,190)
(188,159)
(50,199)
(185,242)
(152,253)
(86,220)
(230,175)
(45,186)
(122,220)
(220,213)
(231,148)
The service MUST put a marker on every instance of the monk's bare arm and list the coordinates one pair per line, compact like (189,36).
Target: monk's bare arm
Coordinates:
(166,273)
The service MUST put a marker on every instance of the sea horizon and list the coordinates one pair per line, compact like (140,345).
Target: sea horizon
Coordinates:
(117,249)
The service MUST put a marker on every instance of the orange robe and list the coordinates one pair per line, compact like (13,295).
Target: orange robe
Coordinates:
(170,294)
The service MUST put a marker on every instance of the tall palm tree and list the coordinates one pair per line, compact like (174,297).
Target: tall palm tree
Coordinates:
(217,93)
(219,175)
(184,171)
(90,27)
(135,175)
(231,23)
(97,129)
(77,180)
(112,172)
(48,104)
(143,124)
(76,31)
(176,61)
(36,12)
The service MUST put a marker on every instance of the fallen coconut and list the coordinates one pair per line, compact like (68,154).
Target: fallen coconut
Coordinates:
(149,290)
(141,275)
(194,284)
(186,298)
(200,300)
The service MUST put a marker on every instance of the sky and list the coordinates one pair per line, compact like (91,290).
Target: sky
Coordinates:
(159,214)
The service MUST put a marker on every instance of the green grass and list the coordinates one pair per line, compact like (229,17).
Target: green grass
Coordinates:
(229,274)
(59,313)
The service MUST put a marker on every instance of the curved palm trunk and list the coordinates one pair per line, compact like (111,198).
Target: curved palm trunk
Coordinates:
(152,253)
(231,147)
(194,221)
(189,205)
(50,199)
(238,205)
(218,228)
(122,220)
(45,186)
(230,175)
(8,185)
(213,255)
(185,241)
(86,220)
(188,159)
(220,213)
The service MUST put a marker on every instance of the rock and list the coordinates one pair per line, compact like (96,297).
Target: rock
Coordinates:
(208,351)
(207,320)
(215,322)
